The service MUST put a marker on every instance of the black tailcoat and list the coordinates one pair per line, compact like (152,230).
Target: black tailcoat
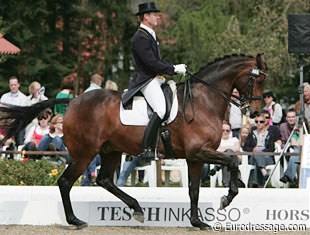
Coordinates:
(147,59)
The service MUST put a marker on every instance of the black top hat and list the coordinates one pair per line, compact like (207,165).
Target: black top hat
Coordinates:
(146,8)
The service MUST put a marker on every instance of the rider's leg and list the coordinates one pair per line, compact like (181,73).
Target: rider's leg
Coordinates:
(156,99)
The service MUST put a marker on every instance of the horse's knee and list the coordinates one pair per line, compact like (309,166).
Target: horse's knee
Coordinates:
(104,182)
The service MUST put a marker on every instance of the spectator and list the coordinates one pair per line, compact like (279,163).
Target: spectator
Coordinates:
(95,82)
(9,143)
(66,91)
(228,144)
(129,165)
(36,94)
(273,108)
(243,134)
(110,85)
(15,97)
(306,103)
(235,115)
(260,140)
(287,127)
(89,176)
(36,133)
(291,173)
(54,141)
(274,130)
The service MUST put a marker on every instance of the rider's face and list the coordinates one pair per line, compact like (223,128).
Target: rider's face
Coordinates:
(152,19)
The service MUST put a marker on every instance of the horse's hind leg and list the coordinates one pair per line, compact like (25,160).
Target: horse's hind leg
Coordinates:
(109,163)
(194,172)
(233,185)
(65,183)
(212,157)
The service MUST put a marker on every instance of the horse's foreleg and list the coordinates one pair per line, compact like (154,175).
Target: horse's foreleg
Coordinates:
(65,183)
(109,163)
(194,172)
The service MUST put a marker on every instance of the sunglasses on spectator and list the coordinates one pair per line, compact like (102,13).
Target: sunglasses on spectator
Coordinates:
(59,122)
(262,121)
(267,96)
(226,130)
(41,118)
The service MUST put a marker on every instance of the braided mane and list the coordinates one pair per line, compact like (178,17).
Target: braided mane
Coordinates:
(223,58)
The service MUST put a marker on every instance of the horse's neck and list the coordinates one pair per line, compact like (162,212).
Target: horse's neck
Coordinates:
(210,100)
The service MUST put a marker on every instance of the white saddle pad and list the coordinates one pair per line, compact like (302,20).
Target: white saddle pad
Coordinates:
(137,116)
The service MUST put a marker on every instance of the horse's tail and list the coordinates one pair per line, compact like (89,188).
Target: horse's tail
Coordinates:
(14,118)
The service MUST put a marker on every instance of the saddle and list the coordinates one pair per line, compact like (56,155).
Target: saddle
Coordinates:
(127,99)
(127,102)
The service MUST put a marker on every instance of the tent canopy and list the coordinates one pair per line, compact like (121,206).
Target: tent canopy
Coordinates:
(6,47)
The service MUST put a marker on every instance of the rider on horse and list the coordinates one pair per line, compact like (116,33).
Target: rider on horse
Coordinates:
(149,68)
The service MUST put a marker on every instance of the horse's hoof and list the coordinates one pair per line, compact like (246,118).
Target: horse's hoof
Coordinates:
(204,228)
(224,202)
(81,226)
(201,225)
(138,216)
(78,223)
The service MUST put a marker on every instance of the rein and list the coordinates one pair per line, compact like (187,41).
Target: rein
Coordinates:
(243,103)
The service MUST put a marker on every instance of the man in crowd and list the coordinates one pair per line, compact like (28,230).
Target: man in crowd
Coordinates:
(15,97)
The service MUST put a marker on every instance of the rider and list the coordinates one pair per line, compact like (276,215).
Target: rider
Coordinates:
(149,68)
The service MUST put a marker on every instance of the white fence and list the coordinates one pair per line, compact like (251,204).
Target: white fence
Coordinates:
(163,207)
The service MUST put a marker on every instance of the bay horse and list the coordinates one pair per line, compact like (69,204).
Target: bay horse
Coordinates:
(92,125)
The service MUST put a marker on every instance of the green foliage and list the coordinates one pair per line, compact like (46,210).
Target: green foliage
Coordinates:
(201,31)
(60,37)
(31,172)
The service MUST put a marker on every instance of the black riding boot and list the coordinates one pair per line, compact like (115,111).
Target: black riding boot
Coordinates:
(165,137)
(149,136)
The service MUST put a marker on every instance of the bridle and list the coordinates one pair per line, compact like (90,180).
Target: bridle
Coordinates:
(243,102)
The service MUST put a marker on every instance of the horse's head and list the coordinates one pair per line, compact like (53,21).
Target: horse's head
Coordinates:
(251,86)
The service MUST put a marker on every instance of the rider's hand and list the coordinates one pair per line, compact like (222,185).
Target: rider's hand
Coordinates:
(180,68)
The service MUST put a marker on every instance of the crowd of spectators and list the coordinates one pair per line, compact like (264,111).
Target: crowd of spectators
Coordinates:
(240,133)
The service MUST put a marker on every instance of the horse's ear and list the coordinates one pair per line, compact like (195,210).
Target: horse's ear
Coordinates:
(260,61)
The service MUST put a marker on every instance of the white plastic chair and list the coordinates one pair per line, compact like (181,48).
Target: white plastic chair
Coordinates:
(275,179)
(19,156)
(245,170)
(178,165)
(149,172)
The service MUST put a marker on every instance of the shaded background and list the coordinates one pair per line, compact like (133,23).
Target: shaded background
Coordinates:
(81,37)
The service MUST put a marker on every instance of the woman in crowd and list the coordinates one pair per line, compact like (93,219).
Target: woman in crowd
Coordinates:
(36,133)
(66,91)
(36,94)
(54,140)
(243,134)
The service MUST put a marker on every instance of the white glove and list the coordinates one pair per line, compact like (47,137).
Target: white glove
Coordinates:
(180,68)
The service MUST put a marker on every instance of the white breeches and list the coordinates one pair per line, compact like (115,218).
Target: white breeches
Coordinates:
(155,96)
